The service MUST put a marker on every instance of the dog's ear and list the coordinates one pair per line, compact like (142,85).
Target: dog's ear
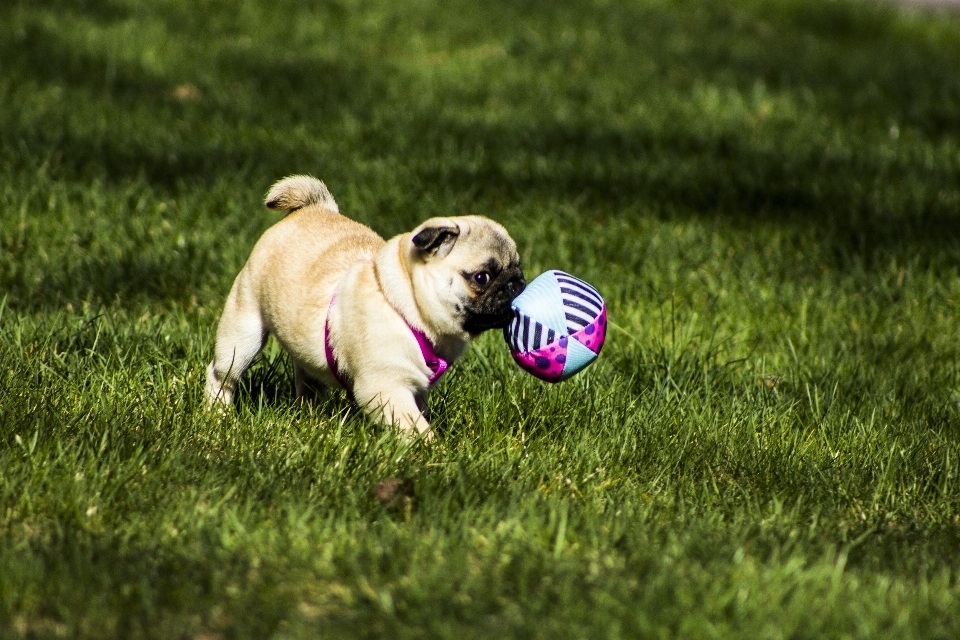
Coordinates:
(436,241)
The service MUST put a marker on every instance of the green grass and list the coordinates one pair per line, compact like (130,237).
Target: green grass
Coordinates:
(767,193)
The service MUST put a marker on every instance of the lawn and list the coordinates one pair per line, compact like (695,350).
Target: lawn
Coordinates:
(767,194)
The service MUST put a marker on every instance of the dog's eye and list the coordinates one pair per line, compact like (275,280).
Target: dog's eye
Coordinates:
(482,278)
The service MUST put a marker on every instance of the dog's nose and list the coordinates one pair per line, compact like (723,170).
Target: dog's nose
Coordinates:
(515,286)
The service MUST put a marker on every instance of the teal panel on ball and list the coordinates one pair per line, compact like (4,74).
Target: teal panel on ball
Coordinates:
(542,301)
(578,356)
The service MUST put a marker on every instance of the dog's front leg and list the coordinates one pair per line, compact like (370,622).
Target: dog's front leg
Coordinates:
(396,407)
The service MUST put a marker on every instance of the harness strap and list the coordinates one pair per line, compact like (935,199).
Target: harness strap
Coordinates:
(435,363)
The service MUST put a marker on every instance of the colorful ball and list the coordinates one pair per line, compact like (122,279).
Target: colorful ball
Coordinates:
(558,327)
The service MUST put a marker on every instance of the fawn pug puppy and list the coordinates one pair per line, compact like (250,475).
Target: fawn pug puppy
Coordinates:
(379,318)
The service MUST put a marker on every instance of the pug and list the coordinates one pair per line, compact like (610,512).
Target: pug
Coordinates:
(381,319)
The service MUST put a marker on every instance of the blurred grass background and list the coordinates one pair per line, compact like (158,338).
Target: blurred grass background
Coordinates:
(767,193)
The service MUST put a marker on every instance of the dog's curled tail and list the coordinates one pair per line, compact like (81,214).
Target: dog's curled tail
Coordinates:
(296,192)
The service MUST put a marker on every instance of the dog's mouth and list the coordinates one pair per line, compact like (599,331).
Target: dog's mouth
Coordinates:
(479,322)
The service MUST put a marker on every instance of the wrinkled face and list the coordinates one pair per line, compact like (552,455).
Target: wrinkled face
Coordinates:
(469,273)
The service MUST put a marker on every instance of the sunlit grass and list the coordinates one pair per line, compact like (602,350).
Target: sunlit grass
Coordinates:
(766,193)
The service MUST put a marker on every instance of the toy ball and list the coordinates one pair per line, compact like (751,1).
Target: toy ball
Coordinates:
(558,327)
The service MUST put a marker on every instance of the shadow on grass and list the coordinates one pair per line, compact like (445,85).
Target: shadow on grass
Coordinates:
(129,280)
(864,204)
(881,207)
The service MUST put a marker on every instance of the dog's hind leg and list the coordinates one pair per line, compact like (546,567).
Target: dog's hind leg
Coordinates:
(240,337)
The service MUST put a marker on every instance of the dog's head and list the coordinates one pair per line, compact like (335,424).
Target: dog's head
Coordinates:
(465,273)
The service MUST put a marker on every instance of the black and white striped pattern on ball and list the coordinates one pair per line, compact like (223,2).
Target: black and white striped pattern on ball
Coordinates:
(525,334)
(581,302)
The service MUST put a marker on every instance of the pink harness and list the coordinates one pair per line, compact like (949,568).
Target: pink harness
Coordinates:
(435,363)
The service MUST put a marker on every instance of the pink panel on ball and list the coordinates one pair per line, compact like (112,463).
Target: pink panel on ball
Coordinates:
(593,335)
(545,364)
